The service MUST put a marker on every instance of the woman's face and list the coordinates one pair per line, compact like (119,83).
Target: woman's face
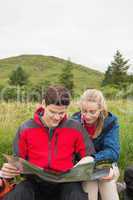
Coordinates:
(90,112)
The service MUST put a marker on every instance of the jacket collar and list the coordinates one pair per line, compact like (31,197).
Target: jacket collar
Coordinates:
(111,117)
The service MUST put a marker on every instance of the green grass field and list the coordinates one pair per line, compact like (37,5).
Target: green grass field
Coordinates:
(13,114)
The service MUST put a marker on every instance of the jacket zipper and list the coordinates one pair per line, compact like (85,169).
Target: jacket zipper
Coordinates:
(55,149)
(49,153)
(49,144)
(49,149)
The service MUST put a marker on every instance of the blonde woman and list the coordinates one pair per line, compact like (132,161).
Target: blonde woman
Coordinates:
(103,128)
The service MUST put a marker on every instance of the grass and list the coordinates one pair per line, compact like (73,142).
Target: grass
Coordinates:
(124,111)
(13,114)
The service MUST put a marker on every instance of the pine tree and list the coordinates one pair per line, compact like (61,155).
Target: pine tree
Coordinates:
(66,77)
(116,73)
(108,76)
(18,77)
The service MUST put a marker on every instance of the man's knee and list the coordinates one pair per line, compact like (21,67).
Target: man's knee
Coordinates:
(72,187)
(73,191)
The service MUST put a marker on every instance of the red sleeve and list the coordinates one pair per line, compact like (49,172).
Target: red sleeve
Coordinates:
(20,144)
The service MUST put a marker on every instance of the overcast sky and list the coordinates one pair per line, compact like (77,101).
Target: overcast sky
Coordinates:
(87,31)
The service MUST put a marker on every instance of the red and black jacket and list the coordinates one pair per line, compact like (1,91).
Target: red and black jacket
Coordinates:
(32,142)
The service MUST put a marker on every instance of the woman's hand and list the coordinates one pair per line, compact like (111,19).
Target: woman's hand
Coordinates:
(84,160)
(9,171)
(110,176)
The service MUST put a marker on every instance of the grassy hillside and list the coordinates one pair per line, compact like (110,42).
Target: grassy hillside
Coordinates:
(41,68)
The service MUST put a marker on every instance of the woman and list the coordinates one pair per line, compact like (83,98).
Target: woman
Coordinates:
(103,128)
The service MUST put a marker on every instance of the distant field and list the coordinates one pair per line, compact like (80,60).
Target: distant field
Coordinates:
(13,114)
(48,68)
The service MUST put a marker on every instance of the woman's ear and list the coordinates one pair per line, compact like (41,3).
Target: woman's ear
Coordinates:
(101,115)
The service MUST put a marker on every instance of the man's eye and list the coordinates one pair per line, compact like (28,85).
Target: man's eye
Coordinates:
(62,113)
(52,112)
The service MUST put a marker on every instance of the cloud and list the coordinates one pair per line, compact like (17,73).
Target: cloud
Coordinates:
(87,31)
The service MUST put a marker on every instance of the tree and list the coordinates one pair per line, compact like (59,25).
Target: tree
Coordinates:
(66,77)
(130,78)
(18,77)
(108,76)
(116,73)
(36,92)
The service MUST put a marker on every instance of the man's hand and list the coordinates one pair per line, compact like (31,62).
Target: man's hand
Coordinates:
(1,183)
(110,176)
(9,171)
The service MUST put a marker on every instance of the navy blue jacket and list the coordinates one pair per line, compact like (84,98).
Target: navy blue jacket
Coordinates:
(107,143)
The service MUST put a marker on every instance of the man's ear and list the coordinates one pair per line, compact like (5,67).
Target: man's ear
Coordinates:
(43,103)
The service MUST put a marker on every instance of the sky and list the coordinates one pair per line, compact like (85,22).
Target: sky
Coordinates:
(86,31)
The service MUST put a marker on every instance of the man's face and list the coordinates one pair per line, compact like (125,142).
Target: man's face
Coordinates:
(54,114)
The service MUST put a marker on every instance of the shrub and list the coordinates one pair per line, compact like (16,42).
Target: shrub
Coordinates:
(110,92)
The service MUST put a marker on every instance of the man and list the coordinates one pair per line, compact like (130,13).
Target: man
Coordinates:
(49,141)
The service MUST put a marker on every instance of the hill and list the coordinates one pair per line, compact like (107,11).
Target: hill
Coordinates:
(41,68)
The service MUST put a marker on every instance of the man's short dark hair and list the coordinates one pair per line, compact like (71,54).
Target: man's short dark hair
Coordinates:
(57,95)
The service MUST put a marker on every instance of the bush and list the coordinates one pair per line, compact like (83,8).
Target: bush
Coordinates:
(9,93)
(36,92)
(126,93)
(27,93)
(110,92)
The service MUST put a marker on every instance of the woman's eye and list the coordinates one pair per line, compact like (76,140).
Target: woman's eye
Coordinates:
(93,112)
(84,111)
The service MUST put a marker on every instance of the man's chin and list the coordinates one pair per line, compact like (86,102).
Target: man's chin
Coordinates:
(55,124)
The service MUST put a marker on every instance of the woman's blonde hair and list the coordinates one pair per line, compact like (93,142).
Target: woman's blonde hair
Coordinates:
(94,95)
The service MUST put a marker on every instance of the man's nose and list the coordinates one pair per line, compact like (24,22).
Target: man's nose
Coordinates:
(57,116)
